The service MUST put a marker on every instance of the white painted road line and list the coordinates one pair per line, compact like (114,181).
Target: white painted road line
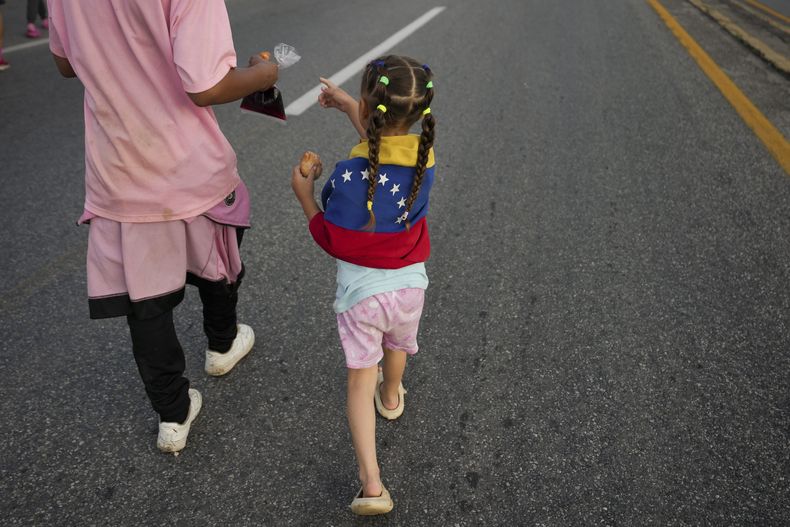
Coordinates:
(31,44)
(311,97)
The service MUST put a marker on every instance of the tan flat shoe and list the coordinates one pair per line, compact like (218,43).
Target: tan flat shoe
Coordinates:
(383,410)
(371,506)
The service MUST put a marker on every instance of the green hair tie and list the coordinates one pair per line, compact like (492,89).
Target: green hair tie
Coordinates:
(426,111)
(384,80)
(382,108)
(429,85)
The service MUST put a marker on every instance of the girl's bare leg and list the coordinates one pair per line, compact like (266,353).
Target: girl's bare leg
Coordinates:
(362,422)
(393,366)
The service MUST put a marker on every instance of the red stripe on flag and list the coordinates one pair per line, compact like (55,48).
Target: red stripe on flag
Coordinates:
(385,250)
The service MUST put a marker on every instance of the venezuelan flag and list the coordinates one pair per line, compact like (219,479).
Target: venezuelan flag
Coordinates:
(341,229)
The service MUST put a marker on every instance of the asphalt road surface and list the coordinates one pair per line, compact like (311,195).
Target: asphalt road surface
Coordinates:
(605,339)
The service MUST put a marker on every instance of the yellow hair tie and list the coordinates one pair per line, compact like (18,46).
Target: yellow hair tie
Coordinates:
(382,108)
(370,205)
(426,111)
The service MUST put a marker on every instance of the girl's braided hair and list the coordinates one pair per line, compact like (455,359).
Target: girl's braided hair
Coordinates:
(398,91)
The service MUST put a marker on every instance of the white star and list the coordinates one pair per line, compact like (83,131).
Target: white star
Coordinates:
(383,179)
(402,203)
(395,189)
(333,183)
(346,176)
(399,220)
(365,174)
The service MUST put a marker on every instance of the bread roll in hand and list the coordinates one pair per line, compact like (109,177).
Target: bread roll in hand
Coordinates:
(310,165)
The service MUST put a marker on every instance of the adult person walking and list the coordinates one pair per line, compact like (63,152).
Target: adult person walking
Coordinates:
(163,197)
(36,7)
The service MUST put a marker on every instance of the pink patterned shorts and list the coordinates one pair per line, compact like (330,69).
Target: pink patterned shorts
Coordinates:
(386,320)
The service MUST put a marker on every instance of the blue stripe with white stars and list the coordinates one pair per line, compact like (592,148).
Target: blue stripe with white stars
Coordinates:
(345,196)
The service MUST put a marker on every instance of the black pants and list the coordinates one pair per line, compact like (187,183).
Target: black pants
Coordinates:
(36,6)
(159,356)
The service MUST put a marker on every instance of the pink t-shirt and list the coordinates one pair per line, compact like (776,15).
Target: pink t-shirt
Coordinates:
(151,154)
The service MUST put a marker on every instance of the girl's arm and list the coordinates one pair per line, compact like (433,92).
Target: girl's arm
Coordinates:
(333,97)
(239,82)
(304,188)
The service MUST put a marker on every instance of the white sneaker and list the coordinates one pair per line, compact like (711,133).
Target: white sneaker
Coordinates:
(221,363)
(173,436)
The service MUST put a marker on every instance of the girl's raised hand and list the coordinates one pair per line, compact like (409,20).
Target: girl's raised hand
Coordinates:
(332,96)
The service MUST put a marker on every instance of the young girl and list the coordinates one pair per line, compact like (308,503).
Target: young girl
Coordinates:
(163,196)
(374,223)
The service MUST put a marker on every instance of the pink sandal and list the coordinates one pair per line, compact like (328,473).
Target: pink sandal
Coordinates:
(32,31)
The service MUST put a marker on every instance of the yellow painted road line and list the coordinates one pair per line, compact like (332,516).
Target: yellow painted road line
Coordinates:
(772,138)
(765,18)
(770,11)
(777,60)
